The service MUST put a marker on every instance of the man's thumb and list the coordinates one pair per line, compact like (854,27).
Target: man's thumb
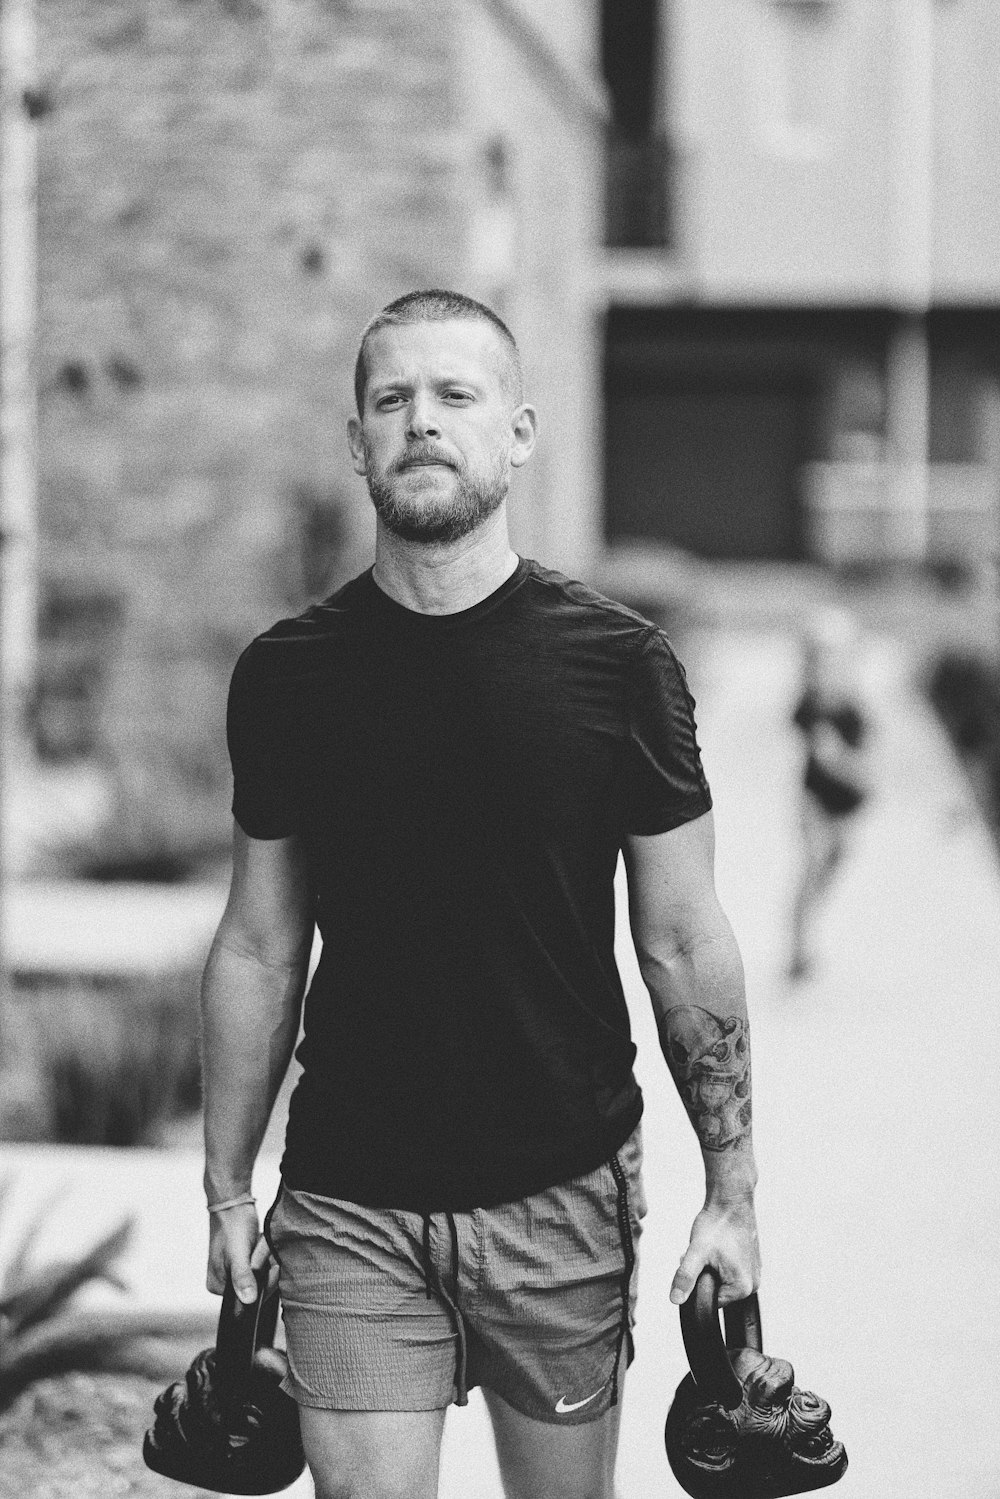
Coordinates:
(687,1273)
(244,1284)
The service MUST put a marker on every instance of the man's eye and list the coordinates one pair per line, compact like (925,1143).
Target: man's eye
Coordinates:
(458,397)
(388,403)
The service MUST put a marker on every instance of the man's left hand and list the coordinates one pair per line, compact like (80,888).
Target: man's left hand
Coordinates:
(724,1236)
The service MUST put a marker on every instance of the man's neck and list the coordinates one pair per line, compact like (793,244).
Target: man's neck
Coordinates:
(445,578)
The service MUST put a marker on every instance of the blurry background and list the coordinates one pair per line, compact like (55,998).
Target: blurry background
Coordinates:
(751,251)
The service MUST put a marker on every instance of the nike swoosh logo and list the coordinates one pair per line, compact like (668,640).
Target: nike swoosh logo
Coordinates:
(562,1407)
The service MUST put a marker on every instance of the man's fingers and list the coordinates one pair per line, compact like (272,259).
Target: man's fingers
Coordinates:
(244,1282)
(233,1242)
(688,1271)
(242,1277)
(735,1287)
(734,1284)
(723,1237)
(262,1256)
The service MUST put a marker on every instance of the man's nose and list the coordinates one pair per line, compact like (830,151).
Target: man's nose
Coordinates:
(423,420)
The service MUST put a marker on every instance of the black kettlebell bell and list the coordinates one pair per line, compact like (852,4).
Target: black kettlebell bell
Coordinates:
(228,1425)
(738,1426)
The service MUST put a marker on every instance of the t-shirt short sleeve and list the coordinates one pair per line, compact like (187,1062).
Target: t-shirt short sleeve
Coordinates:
(664,783)
(257,731)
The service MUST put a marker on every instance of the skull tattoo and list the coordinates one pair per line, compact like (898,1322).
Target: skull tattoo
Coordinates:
(709,1059)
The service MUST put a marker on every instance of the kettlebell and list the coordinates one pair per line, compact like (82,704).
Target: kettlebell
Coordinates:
(738,1426)
(228,1425)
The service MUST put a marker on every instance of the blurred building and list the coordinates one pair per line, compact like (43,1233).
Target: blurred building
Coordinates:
(767,226)
(227,191)
(803,277)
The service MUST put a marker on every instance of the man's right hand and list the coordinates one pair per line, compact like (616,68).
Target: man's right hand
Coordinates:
(236,1247)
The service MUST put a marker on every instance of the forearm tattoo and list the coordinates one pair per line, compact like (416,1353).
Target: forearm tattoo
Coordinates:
(709,1060)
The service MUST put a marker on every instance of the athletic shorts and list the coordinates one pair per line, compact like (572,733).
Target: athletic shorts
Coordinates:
(401,1311)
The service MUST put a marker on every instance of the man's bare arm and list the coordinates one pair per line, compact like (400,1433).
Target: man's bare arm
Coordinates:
(692,968)
(251,1002)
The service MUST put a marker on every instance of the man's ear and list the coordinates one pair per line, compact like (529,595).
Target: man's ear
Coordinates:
(356,443)
(524,433)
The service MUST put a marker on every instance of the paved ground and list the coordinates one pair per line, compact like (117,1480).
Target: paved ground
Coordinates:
(876,1106)
(876,1093)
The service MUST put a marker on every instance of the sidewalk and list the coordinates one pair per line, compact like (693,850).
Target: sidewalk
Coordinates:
(876,1101)
(875,1094)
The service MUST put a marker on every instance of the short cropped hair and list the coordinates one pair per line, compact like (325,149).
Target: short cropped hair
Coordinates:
(437,306)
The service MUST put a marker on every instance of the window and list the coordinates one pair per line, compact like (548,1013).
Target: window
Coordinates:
(803,72)
(639,159)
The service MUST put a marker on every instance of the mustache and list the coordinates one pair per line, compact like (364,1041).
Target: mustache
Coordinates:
(422,455)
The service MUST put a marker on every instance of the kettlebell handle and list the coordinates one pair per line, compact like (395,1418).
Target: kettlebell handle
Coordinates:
(703,1340)
(243,1329)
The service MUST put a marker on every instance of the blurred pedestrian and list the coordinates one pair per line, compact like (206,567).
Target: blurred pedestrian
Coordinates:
(440,764)
(832,720)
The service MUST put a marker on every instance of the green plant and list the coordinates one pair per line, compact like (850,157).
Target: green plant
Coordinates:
(42,1334)
(115,1064)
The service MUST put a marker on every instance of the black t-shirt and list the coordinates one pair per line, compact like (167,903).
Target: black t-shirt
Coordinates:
(463,784)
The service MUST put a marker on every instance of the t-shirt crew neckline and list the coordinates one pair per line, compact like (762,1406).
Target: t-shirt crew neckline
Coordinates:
(415,619)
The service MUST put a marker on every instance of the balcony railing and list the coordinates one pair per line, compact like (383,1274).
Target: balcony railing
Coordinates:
(639,194)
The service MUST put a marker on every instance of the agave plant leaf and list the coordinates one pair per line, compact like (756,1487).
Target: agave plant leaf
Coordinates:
(41,1295)
(6,1188)
(41,1334)
(17,1261)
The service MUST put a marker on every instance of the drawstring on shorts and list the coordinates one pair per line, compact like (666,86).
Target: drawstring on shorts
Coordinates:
(434,1284)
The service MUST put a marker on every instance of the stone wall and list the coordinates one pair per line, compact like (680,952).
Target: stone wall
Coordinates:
(534,115)
(227,190)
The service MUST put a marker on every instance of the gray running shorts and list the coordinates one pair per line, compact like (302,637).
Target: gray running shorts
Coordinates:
(401,1311)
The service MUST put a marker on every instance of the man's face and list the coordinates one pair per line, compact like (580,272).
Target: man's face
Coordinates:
(440,429)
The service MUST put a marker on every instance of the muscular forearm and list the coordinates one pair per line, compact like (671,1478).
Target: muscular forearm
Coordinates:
(692,968)
(250,1016)
(698,996)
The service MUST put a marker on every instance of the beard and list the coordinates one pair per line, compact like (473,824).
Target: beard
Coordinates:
(427,518)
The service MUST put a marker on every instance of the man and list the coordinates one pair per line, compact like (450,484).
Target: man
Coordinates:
(440,765)
(831,717)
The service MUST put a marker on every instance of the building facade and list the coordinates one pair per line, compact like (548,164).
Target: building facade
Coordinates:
(227,191)
(803,278)
(785,349)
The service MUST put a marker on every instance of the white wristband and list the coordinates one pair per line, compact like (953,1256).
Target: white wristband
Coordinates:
(247,1199)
